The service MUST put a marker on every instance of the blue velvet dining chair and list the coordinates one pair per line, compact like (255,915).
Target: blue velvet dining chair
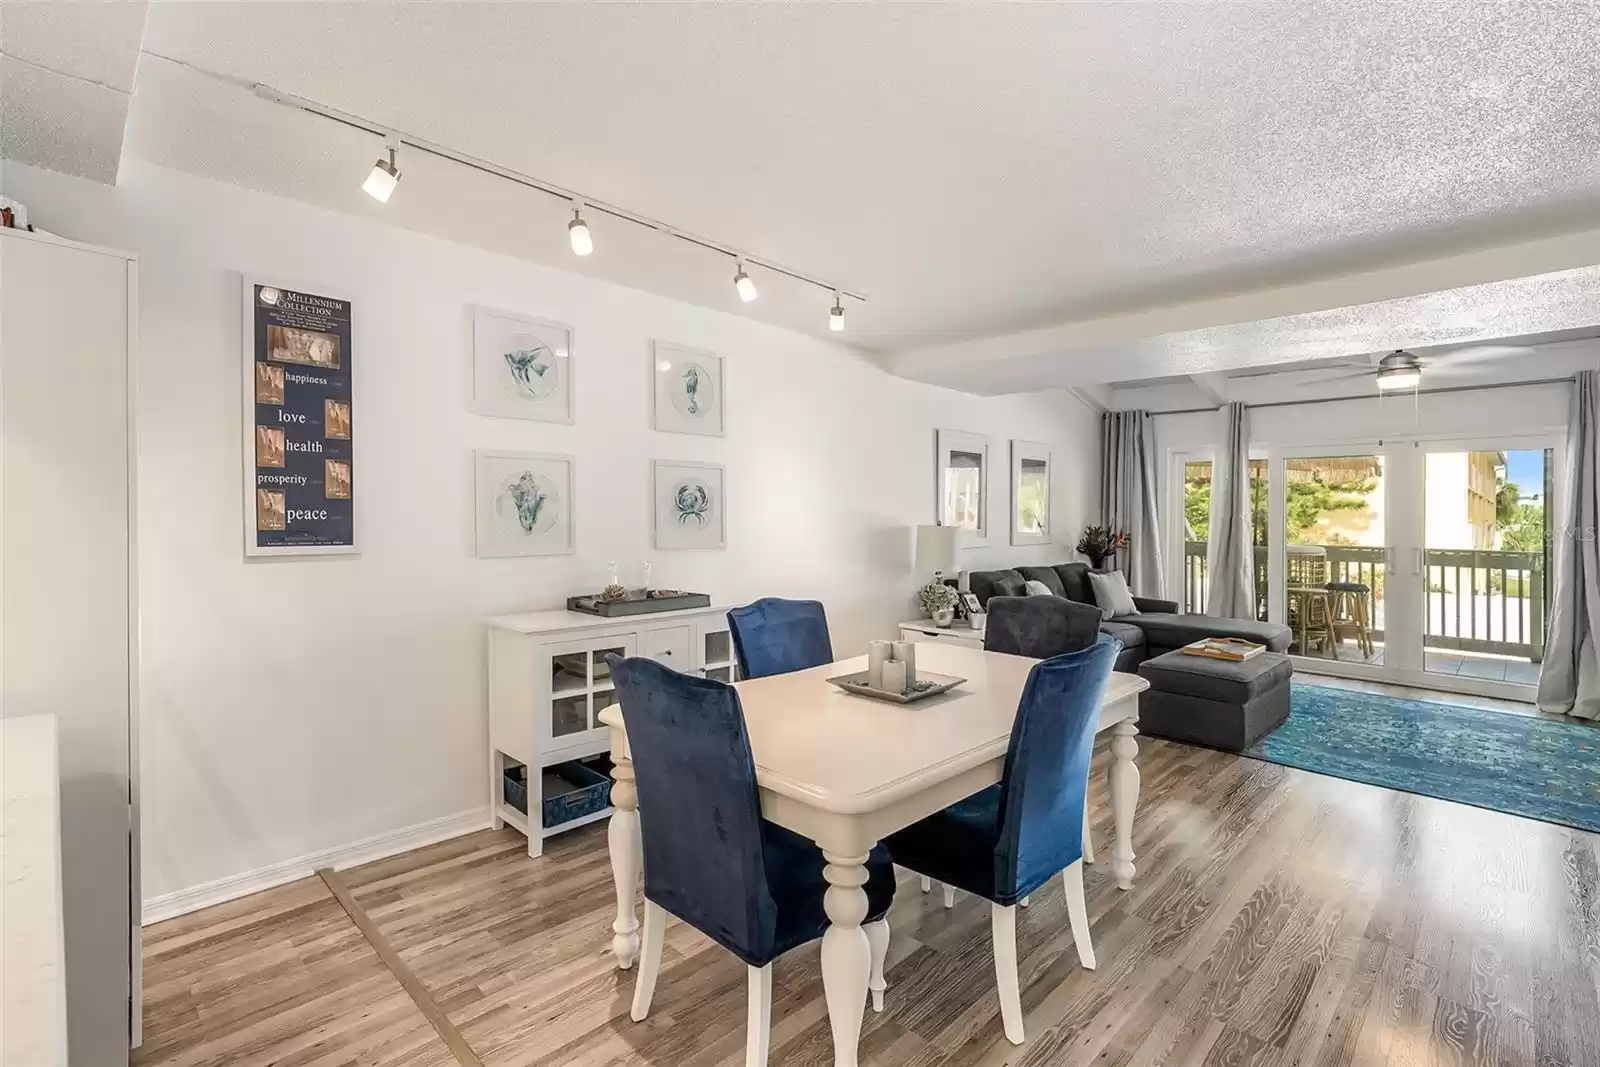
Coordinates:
(774,636)
(710,859)
(1010,839)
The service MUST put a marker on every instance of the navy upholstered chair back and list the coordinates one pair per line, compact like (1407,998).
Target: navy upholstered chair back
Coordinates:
(1040,626)
(774,636)
(1047,766)
(699,811)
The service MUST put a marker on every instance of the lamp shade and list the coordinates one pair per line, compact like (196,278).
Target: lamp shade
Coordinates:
(938,548)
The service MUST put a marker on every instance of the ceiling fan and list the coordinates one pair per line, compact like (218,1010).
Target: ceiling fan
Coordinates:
(1405,370)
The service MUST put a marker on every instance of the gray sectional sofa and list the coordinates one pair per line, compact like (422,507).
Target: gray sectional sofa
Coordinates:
(1157,629)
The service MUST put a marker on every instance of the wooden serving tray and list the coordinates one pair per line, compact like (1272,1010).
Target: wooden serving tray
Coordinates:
(1232,649)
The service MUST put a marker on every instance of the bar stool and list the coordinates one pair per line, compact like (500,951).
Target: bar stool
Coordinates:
(1351,616)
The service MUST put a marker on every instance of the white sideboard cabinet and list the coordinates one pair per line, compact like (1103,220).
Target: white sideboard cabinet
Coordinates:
(548,683)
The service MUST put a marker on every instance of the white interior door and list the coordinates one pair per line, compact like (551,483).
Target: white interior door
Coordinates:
(66,599)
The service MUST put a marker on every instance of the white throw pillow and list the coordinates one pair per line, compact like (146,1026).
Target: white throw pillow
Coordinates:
(1033,588)
(1112,595)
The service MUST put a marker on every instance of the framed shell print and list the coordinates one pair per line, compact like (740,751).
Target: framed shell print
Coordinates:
(962,483)
(521,367)
(523,503)
(689,504)
(686,391)
(1030,493)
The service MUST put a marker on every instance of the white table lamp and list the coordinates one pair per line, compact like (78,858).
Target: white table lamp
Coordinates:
(938,549)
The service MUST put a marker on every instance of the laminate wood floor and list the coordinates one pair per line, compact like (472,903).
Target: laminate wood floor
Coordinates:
(1278,918)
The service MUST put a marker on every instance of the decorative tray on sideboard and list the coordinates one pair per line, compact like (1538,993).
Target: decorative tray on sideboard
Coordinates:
(594,604)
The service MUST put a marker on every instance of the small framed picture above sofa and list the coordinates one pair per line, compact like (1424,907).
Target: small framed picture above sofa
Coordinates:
(1030,493)
(962,484)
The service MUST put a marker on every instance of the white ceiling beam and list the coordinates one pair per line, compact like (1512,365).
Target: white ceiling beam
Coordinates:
(1214,386)
(1066,347)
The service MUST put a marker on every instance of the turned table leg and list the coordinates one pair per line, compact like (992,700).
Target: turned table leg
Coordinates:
(846,953)
(1124,798)
(622,837)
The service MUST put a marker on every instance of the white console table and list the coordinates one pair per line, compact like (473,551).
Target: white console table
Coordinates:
(957,633)
(548,683)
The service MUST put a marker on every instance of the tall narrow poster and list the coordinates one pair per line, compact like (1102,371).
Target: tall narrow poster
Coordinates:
(299,464)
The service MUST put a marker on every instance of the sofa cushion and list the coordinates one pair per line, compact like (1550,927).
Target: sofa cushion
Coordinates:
(1218,680)
(1126,632)
(1045,576)
(985,584)
(1075,581)
(1112,596)
(1167,632)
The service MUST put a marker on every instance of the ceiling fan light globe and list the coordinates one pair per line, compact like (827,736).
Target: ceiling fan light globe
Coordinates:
(1396,378)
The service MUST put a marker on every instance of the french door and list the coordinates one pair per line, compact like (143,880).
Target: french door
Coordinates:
(1435,555)
(1423,562)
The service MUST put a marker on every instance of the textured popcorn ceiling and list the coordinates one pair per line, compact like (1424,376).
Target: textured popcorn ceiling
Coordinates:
(978,169)
(66,70)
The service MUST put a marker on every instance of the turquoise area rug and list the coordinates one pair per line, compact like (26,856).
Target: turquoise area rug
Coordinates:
(1539,767)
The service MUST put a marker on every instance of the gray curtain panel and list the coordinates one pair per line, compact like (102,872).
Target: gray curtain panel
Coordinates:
(1128,497)
(1229,559)
(1569,680)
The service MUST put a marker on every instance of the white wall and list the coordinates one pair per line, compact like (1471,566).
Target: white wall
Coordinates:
(290,707)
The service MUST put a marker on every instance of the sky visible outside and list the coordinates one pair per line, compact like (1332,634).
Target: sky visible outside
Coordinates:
(1525,469)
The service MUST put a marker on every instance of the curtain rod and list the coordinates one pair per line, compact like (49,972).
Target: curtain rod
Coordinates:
(1341,399)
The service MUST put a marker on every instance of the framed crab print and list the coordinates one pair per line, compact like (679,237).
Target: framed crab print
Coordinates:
(523,504)
(521,367)
(689,507)
(686,391)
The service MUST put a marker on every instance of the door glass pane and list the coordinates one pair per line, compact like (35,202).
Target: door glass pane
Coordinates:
(569,715)
(569,673)
(1197,532)
(602,669)
(1486,563)
(602,701)
(1334,546)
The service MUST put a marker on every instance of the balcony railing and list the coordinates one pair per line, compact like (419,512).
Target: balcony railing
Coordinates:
(1490,602)
(1486,601)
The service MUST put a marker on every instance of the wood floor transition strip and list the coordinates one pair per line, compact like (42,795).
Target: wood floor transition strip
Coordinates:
(407,978)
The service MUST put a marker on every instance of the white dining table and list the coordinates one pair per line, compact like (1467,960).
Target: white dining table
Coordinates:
(846,771)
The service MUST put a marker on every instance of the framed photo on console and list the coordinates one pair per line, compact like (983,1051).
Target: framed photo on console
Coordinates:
(521,367)
(686,390)
(1030,493)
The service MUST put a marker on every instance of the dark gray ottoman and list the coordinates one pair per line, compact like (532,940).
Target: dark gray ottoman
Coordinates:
(1212,701)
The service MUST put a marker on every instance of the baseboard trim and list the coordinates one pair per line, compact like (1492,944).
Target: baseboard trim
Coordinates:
(380,846)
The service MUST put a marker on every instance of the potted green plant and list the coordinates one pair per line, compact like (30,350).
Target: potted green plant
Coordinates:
(1100,543)
(938,602)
